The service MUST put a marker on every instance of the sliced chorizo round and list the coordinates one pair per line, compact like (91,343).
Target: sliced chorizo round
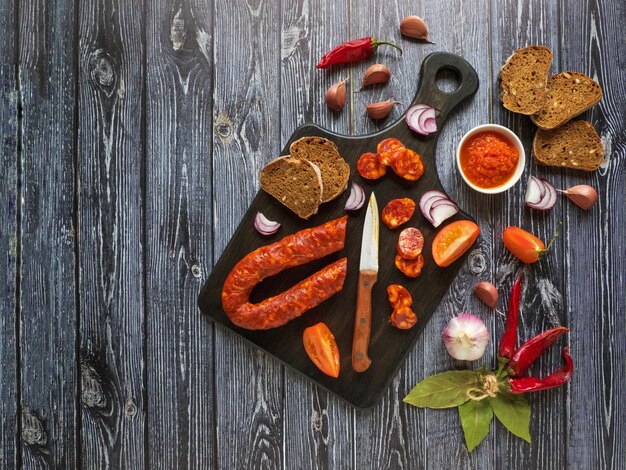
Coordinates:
(397,212)
(388,149)
(410,267)
(369,167)
(399,296)
(403,318)
(408,165)
(410,243)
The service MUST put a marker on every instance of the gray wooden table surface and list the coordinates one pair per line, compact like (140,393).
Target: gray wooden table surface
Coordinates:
(132,137)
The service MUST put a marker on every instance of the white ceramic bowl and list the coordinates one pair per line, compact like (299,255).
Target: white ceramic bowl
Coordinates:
(512,138)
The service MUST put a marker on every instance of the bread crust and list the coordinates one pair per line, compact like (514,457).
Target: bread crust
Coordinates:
(523,79)
(574,145)
(564,100)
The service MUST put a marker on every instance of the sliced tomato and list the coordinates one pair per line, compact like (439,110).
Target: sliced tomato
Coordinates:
(320,345)
(453,241)
(524,245)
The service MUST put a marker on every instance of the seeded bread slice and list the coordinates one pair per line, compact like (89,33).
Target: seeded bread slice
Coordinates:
(295,183)
(569,94)
(324,153)
(523,79)
(573,145)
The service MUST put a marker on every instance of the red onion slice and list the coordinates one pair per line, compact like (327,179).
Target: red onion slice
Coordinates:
(533,191)
(265,226)
(356,199)
(442,210)
(437,207)
(428,115)
(546,192)
(421,119)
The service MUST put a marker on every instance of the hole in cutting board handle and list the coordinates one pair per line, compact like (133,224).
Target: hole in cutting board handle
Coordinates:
(447,80)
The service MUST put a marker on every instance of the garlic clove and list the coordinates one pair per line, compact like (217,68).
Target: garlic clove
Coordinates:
(466,337)
(381,109)
(584,196)
(376,74)
(414,27)
(336,96)
(487,293)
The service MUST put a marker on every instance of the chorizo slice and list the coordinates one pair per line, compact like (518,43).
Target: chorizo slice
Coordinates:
(388,150)
(369,167)
(403,318)
(410,267)
(410,243)
(397,212)
(399,296)
(293,250)
(408,165)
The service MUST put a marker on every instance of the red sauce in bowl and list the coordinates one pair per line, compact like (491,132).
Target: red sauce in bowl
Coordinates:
(488,159)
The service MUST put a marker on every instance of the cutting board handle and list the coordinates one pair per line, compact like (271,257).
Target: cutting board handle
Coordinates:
(429,93)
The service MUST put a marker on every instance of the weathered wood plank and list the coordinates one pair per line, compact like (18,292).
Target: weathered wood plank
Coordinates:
(47,83)
(249,401)
(402,436)
(9,386)
(318,428)
(110,166)
(593,43)
(181,421)
(542,299)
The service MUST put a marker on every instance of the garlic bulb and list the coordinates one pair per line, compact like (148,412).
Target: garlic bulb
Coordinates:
(466,337)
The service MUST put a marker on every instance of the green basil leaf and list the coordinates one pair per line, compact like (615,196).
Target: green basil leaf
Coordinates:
(475,418)
(513,411)
(445,390)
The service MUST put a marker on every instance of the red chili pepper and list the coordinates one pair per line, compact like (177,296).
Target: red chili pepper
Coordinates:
(532,384)
(509,337)
(353,51)
(530,351)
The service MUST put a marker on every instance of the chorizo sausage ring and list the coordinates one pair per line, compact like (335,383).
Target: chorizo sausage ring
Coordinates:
(293,250)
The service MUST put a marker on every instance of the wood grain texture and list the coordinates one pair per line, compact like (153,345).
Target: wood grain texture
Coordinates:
(246,130)
(318,428)
(595,259)
(147,123)
(47,82)
(110,210)
(179,74)
(542,297)
(9,201)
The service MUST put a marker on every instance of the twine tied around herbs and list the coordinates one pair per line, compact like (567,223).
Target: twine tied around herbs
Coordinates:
(489,389)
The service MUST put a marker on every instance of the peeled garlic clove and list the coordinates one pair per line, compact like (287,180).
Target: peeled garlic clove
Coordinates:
(375,74)
(381,109)
(336,96)
(466,337)
(487,293)
(583,196)
(414,27)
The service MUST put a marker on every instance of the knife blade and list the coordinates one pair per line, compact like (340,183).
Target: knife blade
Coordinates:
(368,273)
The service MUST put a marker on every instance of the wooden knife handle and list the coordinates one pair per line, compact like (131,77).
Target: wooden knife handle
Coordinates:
(363,321)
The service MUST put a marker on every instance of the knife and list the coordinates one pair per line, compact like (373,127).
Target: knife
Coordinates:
(368,273)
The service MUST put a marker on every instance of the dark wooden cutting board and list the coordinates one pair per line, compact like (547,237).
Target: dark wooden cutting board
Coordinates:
(388,345)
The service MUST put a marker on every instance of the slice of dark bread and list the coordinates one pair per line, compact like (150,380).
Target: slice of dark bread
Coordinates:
(523,79)
(569,94)
(295,183)
(573,145)
(335,171)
